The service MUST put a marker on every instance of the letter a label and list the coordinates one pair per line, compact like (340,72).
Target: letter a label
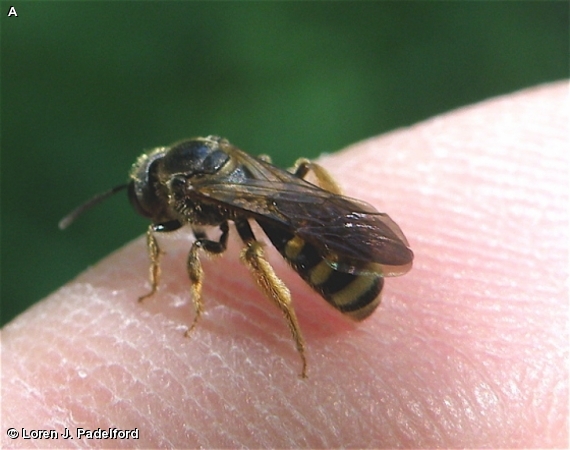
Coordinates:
(12,12)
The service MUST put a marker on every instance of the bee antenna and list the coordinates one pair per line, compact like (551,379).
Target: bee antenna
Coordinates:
(70,218)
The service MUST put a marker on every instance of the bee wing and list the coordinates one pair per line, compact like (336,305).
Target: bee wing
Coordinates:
(359,235)
(349,233)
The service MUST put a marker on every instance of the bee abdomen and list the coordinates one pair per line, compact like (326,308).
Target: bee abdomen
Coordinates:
(356,295)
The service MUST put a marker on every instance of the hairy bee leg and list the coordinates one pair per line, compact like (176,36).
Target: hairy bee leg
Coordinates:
(303,166)
(195,271)
(154,253)
(276,290)
(196,275)
(253,257)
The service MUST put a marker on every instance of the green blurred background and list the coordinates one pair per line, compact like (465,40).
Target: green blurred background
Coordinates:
(86,86)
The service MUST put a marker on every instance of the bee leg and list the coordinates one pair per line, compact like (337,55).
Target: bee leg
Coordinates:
(154,253)
(194,267)
(253,257)
(303,166)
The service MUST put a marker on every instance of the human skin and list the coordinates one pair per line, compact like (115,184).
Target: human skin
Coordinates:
(469,349)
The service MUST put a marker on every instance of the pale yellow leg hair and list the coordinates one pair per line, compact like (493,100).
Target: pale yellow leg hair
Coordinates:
(275,289)
(324,178)
(196,275)
(154,253)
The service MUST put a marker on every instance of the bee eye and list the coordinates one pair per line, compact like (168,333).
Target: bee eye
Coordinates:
(143,201)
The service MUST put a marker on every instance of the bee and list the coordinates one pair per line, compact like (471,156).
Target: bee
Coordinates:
(341,247)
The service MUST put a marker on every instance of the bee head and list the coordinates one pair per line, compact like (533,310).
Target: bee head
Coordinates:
(151,173)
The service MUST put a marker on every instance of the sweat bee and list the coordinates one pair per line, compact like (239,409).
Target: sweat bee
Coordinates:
(342,247)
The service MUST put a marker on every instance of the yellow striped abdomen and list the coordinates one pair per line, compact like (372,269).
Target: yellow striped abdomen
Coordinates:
(356,295)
